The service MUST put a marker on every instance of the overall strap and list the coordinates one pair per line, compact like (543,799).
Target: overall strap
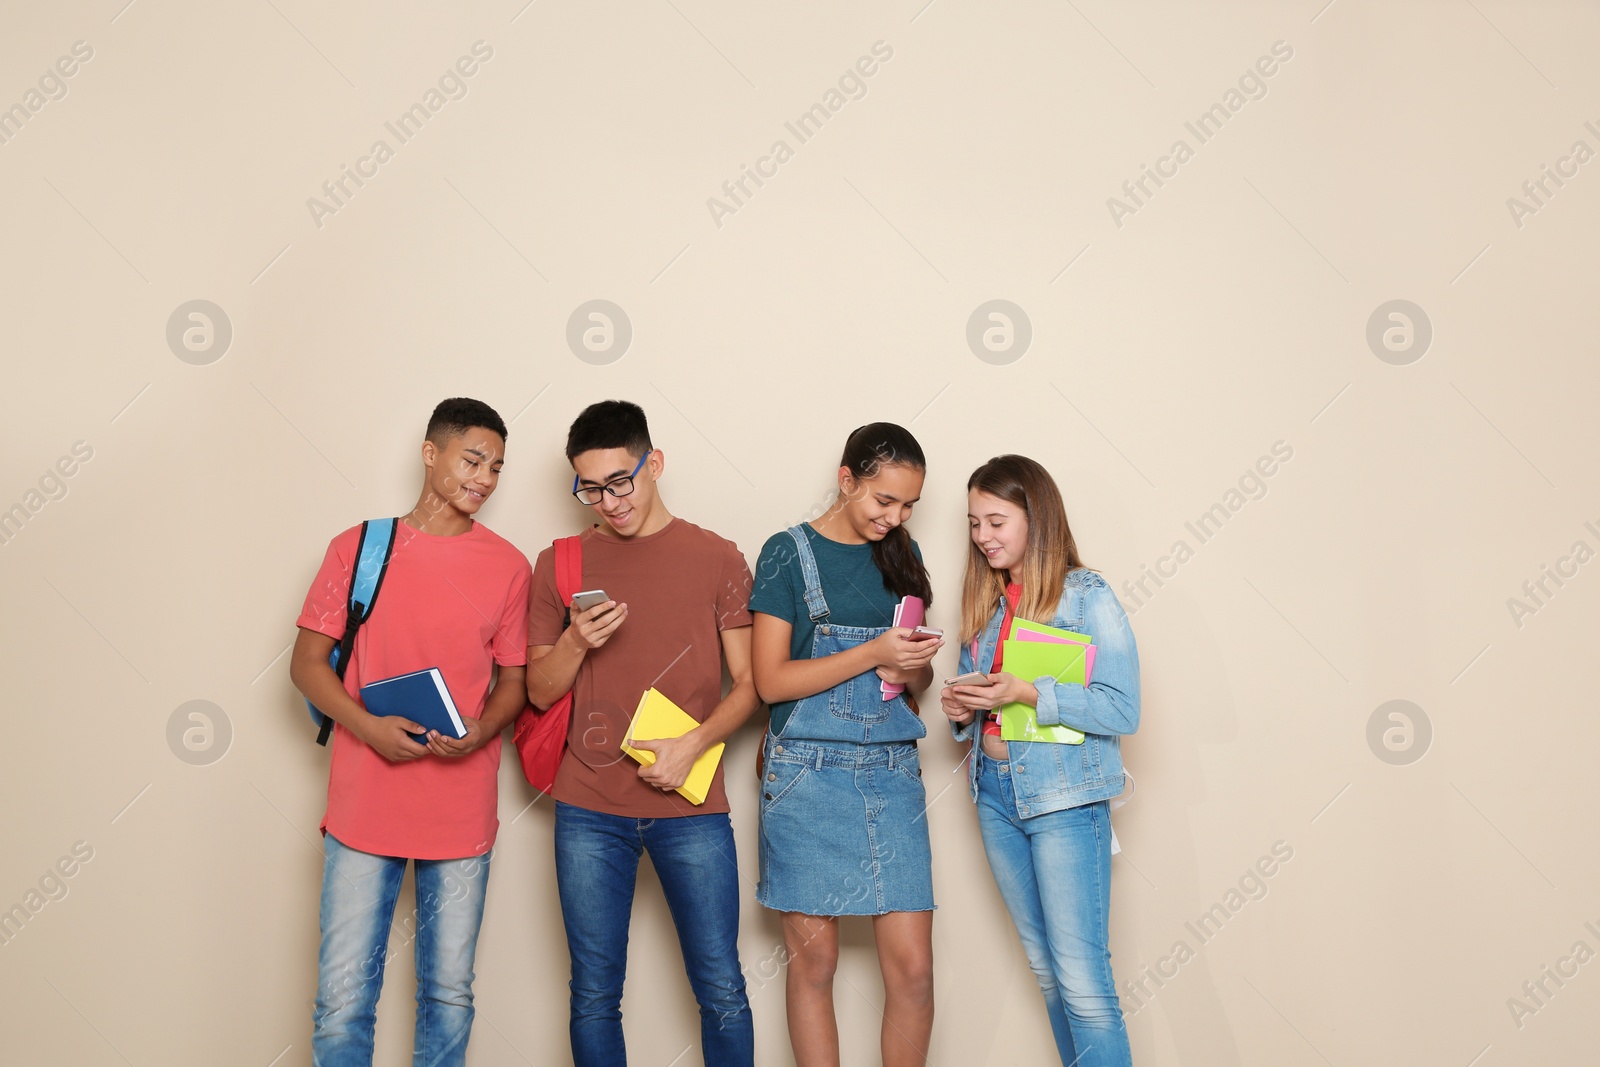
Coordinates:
(816,605)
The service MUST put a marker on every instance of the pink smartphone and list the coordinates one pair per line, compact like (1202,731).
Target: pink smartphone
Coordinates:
(923,633)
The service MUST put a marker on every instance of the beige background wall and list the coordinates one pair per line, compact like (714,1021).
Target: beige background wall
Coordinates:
(1431,876)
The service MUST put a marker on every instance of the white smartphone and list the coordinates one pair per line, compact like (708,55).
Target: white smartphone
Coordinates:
(970,678)
(587,599)
(923,633)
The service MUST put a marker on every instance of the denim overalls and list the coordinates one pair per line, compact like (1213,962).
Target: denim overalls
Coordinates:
(844,827)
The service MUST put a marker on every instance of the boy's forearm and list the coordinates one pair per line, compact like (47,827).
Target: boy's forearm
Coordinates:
(731,712)
(320,685)
(550,676)
(506,700)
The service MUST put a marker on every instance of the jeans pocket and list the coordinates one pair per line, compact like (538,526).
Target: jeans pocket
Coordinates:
(780,781)
(909,768)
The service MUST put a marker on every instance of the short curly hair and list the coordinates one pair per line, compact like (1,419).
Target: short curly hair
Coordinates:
(459,414)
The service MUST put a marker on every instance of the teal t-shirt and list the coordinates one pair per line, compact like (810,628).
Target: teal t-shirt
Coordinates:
(851,583)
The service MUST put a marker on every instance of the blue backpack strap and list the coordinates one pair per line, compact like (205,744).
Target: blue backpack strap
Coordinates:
(816,604)
(372,562)
(373,549)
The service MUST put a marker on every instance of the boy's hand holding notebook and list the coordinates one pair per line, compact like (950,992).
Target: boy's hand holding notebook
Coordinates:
(420,696)
(658,718)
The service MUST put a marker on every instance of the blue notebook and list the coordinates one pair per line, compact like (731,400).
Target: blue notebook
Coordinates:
(420,696)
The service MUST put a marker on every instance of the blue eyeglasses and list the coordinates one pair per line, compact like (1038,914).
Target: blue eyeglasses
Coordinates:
(590,494)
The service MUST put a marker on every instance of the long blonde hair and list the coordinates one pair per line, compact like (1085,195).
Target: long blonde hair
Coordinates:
(1051,553)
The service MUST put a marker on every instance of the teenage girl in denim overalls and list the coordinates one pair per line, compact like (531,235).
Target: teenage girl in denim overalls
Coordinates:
(1043,808)
(843,812)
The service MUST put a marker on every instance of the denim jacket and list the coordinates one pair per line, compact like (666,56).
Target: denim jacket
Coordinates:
(1049,777)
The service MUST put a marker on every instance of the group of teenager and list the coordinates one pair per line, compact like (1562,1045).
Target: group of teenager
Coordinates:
(842,808)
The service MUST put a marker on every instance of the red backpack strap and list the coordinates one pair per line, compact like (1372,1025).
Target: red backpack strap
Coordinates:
(569,568)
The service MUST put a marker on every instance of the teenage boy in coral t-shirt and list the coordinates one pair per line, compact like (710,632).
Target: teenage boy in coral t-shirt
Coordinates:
(455,597)
(679,608)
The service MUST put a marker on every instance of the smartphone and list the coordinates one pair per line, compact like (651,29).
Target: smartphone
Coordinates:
(970,678)
(923,633)
(588,599)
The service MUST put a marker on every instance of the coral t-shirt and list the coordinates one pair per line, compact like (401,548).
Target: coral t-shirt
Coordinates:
(456,603)
(683,586)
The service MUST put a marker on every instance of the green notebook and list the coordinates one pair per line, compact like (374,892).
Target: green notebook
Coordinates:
(1041,628)
(1037,659)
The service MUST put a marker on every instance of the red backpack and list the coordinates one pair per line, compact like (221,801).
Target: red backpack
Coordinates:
(541,736)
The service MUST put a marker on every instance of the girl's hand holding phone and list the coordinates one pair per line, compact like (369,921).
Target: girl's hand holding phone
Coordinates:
(953,709)
(1003,688)
(897,677)
(975,696)
(897,651)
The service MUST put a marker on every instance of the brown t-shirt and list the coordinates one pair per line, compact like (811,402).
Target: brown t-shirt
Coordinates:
(683,586)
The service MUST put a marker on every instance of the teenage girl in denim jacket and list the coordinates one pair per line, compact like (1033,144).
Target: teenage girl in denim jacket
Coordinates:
(1043,807)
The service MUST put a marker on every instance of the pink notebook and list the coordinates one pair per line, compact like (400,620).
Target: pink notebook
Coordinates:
(1035,635)
(909,613)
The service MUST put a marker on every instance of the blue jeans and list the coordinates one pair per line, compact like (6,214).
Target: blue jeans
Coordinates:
(1054,874)
(597,865)
(358,895)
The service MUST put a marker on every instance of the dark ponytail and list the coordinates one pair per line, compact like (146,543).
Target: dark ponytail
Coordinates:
(868,449)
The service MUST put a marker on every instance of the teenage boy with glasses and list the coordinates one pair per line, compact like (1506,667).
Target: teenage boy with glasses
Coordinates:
(679,609)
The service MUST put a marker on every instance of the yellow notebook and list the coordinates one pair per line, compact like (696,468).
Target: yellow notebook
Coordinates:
(656,718)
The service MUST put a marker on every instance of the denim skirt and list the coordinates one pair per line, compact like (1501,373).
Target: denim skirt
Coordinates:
(844,829)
